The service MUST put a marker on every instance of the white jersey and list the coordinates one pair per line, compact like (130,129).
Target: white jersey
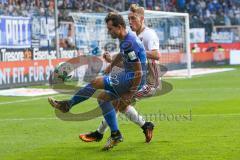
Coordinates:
(150,41)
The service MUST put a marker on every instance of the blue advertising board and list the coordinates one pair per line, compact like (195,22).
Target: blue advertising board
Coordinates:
(15,32)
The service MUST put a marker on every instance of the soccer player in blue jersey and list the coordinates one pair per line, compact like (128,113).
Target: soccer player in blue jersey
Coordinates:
(150,41)
(122,85)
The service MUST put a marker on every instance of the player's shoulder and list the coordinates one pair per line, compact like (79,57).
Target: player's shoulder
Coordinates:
(130,42)
(149,31)
(131,35)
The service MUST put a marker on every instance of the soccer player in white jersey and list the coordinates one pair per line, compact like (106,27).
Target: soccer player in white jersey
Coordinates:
(151,43)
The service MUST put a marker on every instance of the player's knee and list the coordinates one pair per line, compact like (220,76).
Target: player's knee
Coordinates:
(122,106)
(101,98)
(115,103)
(93,82)
(97,83)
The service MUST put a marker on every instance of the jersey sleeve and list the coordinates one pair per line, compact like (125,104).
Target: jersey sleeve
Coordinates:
(133,56)
(152,41)
(131,50)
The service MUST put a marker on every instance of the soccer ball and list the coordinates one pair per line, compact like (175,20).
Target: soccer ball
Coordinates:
(64,71)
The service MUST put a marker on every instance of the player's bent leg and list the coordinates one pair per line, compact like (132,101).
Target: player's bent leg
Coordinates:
(91,137)
(97,135)
(109,114)
(147,127)
(87,91)
(80,96)
(131,113)
(63,106)
(122,106)
(98,83)
(148,131)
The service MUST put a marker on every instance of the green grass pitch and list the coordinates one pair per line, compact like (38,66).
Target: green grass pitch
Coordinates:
(206,125)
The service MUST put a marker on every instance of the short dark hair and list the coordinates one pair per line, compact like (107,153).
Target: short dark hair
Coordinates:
(116,19)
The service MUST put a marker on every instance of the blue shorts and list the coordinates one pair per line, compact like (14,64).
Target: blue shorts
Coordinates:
(119,83)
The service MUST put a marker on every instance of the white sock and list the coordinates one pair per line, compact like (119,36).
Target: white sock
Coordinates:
(132,114)
(102,128)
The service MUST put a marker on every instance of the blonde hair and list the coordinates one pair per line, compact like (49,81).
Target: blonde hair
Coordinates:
(136,9)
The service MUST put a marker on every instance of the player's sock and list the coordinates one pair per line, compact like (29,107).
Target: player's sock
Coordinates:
(102,128)
(133,115)
(109,115)
(82,95)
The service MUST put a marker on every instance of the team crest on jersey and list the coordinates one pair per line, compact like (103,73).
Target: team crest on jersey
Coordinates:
(125,45)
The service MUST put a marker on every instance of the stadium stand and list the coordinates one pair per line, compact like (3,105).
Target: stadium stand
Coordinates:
(28,29)
(203,13)
(215,12)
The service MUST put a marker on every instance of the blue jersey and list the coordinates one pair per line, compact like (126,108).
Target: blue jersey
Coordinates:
(133,51)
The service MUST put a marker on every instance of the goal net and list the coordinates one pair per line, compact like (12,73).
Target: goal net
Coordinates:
(172,29)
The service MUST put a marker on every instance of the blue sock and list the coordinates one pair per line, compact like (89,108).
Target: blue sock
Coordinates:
(82,95)
(109,114)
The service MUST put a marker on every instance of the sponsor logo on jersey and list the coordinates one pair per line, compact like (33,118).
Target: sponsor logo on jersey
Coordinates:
(132,56)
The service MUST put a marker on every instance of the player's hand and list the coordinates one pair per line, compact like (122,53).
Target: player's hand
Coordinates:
(108,69)
(107,57)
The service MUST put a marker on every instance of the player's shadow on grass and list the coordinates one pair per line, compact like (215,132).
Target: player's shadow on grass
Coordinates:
(97,112)
(94,113)
(165,88)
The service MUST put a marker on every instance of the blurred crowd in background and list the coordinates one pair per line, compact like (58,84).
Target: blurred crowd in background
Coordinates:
(215,12)
(203,13)
(26,7)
